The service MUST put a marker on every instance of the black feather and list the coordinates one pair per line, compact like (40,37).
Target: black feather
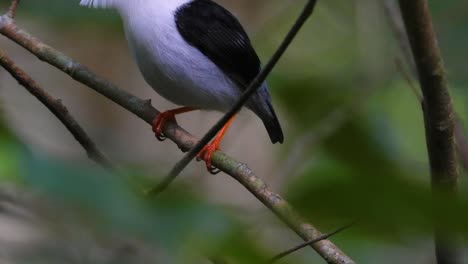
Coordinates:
(218,35)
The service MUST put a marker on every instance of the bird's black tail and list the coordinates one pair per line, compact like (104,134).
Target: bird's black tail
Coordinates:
(260,104)
(272,125)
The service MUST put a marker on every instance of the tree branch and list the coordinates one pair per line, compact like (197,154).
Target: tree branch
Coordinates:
(12,10)
(143,109)
(398,27)
(252,88)
(409,80)
(57,108)
(307,243)
(399,31)
(439,117)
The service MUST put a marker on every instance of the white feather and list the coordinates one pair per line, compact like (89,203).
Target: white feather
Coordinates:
(176,70)
(98,3)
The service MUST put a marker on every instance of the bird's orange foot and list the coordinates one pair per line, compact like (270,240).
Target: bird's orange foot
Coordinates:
(207,153)
(160,121)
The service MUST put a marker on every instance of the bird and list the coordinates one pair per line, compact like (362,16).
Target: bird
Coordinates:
(196,54)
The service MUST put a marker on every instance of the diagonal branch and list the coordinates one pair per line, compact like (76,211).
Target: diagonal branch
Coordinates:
(143,109)
(252,88)
(12,10)
(409,80)
(57,108)
(307,243)
(439,117)
(397,26)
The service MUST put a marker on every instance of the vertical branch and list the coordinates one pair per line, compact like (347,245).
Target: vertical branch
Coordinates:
(398,28)
(439,117)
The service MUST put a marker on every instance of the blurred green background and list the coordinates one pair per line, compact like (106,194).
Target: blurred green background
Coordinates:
(354,148)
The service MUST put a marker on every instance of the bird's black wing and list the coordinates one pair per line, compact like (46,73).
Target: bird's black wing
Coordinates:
(218,35)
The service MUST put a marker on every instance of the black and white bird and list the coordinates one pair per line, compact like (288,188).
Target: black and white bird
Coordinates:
(196,54)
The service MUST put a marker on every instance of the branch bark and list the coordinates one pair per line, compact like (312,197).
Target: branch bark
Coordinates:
(12,10)
(398,28)
(307,243)
(185,141)
(57,108)
(399,31)
(439,117)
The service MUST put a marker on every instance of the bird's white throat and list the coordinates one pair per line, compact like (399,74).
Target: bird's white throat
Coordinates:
(98,3)
(128,6)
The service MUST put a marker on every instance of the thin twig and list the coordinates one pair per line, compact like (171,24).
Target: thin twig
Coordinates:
(409,80)
(252,88)
(143,109)
(397,25)
(12,10)
(57,108)
(307,243)
(324,128)
(439,116)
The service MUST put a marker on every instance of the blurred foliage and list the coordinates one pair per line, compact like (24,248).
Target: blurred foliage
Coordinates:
(178,221)
(372,169)
(9,148)
(386,199)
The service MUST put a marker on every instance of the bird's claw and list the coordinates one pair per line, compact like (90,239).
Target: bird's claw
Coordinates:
(160,137)
(159,122)
(213,170)
(206,154)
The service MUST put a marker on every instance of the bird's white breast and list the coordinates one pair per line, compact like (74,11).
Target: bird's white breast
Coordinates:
(176,70)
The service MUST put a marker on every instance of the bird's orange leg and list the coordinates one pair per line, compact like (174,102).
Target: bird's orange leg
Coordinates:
(207,152)
(164,117)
